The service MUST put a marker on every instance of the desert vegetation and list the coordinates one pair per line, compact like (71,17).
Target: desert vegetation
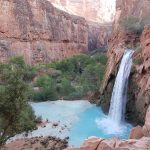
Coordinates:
(71,78)
(134,24)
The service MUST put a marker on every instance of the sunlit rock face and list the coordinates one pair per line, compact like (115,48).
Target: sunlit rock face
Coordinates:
(94,143)
(102,11)
(139,85)
(40,32)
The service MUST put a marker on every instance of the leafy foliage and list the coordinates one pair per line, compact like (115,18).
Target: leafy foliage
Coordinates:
(73,78)
(15,113)
(48,89)
(138,60)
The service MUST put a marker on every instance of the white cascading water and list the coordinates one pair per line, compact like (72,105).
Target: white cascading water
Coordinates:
(119,94)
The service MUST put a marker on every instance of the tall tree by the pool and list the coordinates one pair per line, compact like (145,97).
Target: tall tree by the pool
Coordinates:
(119,94)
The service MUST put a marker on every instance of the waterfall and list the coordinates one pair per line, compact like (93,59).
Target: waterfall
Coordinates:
(119,94)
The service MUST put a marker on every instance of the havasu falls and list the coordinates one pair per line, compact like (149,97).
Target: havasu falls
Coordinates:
(80,119)
(115,121)
(119,94)
(65,74)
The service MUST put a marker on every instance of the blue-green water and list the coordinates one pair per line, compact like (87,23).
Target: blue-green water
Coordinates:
(76,119)
(93,122)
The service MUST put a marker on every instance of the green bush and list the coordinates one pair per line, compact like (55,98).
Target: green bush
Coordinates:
(72,65)
(134,24)
(92,77)
(138,60)
(66,87)
(72,78)
(30,73)
(78,94)
(101,58)
(48,89)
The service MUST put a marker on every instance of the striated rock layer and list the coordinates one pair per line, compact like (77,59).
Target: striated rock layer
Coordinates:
(39,31)
(139,92)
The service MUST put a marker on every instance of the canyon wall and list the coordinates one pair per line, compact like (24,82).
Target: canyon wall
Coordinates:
(39,31)
(139,87)
(101,11)
(99,15)
(98,36)
(139,92)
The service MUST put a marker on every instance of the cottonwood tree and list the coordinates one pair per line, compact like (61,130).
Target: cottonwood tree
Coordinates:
(16,115)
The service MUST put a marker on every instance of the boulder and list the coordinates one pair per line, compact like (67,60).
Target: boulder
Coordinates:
(114,144)
(136,133)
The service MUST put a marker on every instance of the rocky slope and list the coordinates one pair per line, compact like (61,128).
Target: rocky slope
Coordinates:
(37,143)
(93,10)
(114,144)
(39,31)
(139,92)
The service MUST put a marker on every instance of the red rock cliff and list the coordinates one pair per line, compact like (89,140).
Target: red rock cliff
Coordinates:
(139,94)
(39,31)
(98,36)
(99,14)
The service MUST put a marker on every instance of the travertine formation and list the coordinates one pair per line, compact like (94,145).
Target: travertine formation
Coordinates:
(39,31)
(101,11)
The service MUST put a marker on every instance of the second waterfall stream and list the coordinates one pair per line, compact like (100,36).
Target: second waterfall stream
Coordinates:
(119,94)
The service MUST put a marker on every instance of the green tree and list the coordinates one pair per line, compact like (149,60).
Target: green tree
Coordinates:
(48,89)
(66,87)
(16,115)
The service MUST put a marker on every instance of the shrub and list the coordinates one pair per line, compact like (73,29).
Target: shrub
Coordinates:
(92,77)
(101,58)
(43,81)
(30,73)
(48,89)
(138,60)
(66,87)
(72,65)
(134,24)
(138,48)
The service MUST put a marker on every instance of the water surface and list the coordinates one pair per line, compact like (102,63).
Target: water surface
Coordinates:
(76,119)
(82,120)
